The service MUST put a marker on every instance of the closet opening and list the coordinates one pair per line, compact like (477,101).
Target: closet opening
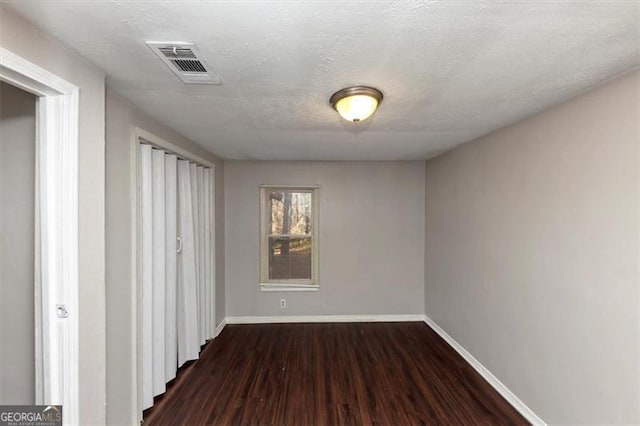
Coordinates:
(174,261)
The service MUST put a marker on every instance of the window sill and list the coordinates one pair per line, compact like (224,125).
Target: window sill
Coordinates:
(285,287)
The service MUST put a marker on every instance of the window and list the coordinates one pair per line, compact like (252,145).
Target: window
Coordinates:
(288,238)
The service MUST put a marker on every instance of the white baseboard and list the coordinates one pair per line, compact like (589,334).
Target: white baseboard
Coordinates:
(487,375)
(323,318)
(219,328)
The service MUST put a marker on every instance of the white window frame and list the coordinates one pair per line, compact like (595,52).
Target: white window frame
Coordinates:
(267,284)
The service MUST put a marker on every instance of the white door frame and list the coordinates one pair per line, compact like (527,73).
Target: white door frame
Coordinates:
(137,136)
(56,245)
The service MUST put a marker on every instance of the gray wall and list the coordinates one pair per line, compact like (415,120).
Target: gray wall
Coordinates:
(17,218)
(371,238)
(22,38)
(122,117)
(532,255)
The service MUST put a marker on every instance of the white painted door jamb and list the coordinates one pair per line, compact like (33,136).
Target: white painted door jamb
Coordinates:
(56,268)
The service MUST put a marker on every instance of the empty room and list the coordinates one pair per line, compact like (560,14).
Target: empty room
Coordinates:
(320,212)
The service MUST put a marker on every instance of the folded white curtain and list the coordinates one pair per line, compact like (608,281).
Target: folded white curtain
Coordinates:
(208,255)
(202,260)
(188,341)
(171,267)
(174,266)
(159,272)
(195,202)
(200,199)
(145,271)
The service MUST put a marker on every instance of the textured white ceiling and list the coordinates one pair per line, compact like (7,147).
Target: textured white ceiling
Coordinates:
(450,70)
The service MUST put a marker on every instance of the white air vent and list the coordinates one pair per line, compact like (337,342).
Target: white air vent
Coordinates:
(185,61)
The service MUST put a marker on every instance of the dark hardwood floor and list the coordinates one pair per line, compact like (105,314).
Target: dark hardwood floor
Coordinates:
(331,374)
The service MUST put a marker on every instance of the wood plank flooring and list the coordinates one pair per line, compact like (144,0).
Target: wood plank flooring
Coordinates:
(331,374)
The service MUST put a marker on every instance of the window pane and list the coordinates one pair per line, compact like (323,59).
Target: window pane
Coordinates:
(290,213)
(289,258)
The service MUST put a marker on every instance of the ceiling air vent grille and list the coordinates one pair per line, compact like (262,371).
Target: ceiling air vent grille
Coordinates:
(185,61)
(177,52)
(189,66)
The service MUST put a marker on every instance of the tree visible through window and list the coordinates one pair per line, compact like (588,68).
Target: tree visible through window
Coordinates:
(288,236)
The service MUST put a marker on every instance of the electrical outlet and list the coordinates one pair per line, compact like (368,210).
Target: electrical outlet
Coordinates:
(283,303)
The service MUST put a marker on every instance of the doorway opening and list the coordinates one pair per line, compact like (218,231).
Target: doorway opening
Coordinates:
(17,245)
(55,236)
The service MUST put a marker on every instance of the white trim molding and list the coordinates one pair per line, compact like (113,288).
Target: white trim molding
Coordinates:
(219,328)
(56,246)
(141,134)
(502,389)
(287,287)
(323,318)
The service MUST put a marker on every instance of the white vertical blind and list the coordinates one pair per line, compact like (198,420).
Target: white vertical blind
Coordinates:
(174,265)
(195,195)
(208,278)
(188,342)
(145,272)
(171,266)
(159,272)
(203,302)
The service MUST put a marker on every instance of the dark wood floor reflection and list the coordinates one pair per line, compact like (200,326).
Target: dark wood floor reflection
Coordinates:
(331,374)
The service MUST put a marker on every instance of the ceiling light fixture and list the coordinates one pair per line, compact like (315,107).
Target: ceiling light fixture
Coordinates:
(356,103)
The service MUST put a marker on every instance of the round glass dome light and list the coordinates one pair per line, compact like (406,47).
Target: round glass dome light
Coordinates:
(356,103)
